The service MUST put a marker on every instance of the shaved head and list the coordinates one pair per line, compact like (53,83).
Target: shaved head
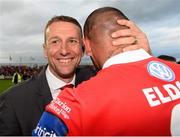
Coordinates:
(98,28)
(103,20)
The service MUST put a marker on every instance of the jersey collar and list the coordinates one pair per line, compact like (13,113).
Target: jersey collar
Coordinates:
(127,57)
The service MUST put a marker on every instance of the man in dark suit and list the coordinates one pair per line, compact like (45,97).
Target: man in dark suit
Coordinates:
(22,105)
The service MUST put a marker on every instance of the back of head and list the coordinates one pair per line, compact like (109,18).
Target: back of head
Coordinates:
(103,19)
(98,28)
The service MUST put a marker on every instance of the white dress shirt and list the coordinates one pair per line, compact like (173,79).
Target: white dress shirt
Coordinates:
(55,84)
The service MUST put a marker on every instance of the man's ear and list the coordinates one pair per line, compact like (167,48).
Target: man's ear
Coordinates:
(45,50)
(87,46)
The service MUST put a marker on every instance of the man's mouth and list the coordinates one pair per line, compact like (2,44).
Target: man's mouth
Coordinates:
(65,61)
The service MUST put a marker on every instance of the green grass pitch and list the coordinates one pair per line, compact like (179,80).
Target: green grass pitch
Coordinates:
(5,84)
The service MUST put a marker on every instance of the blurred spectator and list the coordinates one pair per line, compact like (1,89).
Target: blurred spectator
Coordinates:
(168,58)
(16,78)
(178,62)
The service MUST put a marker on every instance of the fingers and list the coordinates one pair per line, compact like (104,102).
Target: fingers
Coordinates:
(133,37)
(132,31)
(124,22)
(129,24)
(131,47)
(121,33)
(124,41)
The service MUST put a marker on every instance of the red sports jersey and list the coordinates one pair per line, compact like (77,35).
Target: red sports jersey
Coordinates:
(138,98)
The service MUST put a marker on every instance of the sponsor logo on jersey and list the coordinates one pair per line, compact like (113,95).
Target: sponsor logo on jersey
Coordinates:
(161,95)
(40,131)
(60,108)
(160,71)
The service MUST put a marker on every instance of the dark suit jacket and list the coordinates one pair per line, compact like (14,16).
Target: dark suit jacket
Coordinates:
(22,106)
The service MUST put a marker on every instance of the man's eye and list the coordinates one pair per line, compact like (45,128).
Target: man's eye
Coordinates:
(73,41)
(55,42)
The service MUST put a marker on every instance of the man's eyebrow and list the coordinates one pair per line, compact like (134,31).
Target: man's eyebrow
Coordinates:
(74,37)
(54,37)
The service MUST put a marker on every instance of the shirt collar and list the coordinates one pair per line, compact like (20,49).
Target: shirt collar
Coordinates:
(54,82)
(126,57)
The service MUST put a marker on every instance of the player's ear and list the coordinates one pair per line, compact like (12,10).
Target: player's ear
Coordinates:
(87,46)
(45,50)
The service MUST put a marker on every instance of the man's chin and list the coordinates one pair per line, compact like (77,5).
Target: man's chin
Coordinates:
(66,75)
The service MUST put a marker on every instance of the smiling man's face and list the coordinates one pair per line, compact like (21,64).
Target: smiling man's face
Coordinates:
(63,48)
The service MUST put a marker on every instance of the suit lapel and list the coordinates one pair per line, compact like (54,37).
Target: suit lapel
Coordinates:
(43,92)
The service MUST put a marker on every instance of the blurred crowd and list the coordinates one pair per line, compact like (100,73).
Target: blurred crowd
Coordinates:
(26,72)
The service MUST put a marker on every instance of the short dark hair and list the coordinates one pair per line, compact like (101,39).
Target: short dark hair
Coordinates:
(92,18)
(64,19)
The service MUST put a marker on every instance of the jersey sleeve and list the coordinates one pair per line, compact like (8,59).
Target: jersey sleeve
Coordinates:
(67,107)
(50,125)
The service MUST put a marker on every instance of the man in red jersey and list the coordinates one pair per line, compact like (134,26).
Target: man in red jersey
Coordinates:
(133,93)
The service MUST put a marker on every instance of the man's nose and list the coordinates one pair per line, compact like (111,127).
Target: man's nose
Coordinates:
(64,49)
